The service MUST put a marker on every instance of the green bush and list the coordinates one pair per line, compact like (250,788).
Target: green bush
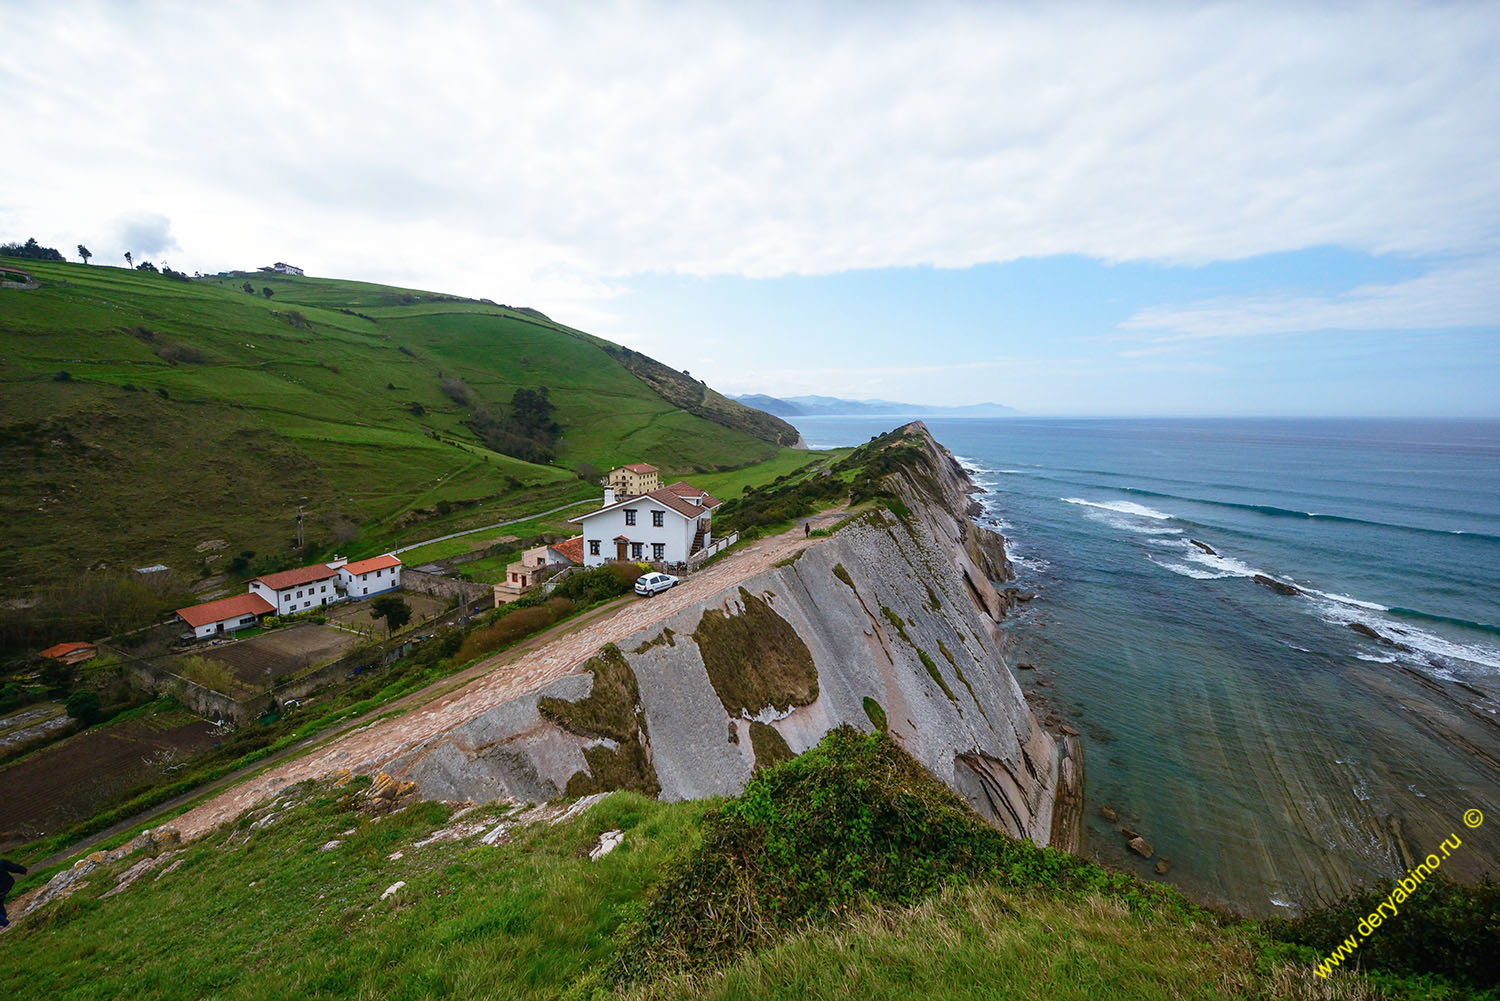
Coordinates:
(1444,929)
(853,821)
(84,707)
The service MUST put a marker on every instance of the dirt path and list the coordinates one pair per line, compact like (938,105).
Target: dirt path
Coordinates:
(406,702)
(496,680)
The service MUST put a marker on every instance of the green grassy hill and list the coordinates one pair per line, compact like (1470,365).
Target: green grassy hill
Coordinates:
(854,875)
(149,420)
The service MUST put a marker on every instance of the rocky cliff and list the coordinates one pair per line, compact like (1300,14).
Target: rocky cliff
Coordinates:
(889,623)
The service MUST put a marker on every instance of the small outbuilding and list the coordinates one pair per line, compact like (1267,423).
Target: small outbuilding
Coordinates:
(71,653)
(372,576)
(215,618)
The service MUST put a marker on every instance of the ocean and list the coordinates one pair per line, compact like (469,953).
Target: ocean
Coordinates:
(1275,756)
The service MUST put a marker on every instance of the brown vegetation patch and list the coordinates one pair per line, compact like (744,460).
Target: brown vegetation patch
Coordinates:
(612,711)
(755,659)
(769,745)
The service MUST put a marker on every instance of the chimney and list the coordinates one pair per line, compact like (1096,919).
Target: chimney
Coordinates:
(609,496)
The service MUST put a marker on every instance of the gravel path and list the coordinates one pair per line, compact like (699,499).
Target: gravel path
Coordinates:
(501,678)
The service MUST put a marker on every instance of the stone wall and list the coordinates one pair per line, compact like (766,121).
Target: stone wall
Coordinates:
(446,588)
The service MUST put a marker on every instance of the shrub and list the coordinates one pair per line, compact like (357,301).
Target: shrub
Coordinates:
(517,623)
(84,707)
(184,353)
(852,821)
(206,672)
(598,583)
(1445,929)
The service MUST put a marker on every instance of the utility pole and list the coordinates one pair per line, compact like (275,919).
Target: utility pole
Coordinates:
(300,540)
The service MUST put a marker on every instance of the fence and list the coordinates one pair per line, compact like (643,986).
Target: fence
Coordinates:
(718,546)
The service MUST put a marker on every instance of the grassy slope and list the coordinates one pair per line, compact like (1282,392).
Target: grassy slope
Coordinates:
(537,919)
(272,415)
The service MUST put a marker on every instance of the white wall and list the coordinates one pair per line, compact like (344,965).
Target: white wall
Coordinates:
(230,625)
(302,598)
(373,582)
(676,533)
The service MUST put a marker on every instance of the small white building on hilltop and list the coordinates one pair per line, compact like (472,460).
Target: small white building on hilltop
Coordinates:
(283,268)
(666,525)
(372,576)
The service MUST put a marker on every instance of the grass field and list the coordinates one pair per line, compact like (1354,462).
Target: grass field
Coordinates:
(293,897)
(142,417)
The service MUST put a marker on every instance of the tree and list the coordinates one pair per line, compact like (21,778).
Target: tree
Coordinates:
(83,706)
(248,288)
(395,611)
(147,266)
(58,676)
(129,261)
(267,292)
(84,253)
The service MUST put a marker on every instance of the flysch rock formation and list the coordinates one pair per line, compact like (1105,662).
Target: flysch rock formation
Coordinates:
(891,622)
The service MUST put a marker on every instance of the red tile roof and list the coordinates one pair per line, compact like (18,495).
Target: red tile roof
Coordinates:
(572,549)
(641,467)
(373,563)
(224,609)
(683,488)
(674,497)
(63,649)
(294,578)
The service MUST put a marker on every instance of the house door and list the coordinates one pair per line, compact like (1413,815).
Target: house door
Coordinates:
(620,550)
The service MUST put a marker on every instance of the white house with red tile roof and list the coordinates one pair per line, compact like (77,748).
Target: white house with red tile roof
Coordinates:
(225,615)
(666,525)
(298,590)
(372,576)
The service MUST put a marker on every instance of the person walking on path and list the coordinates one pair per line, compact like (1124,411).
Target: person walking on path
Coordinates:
(6,882)
(807,530)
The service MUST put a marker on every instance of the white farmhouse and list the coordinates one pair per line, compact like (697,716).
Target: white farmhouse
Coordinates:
(283,268)
(666,525)
(298,590)
(372,576)
(215,618)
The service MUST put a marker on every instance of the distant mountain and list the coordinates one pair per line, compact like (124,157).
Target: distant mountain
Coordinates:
(832,406)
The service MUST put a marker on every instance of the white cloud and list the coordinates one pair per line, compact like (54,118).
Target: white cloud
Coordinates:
(537,153)
(146,235)
(1457,295)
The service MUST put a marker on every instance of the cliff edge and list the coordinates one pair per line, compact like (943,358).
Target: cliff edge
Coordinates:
(890,623)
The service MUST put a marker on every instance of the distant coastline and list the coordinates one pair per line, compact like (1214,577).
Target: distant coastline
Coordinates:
(832,406)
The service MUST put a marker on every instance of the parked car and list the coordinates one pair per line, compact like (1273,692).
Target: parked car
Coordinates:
(652,583)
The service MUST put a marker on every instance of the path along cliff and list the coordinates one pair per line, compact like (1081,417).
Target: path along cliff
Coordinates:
(890,621)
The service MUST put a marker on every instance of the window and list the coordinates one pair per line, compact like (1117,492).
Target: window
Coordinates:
(307,604)
(323,589)
(364,591)
(658,550)
(593,547)
(299,594)
(635,550)
(658,518)
(379,572)
(630,516)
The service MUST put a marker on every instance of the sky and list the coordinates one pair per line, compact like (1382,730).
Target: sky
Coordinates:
(1159,208)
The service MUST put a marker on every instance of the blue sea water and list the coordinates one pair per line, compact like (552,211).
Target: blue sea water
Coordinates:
(1273,754)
